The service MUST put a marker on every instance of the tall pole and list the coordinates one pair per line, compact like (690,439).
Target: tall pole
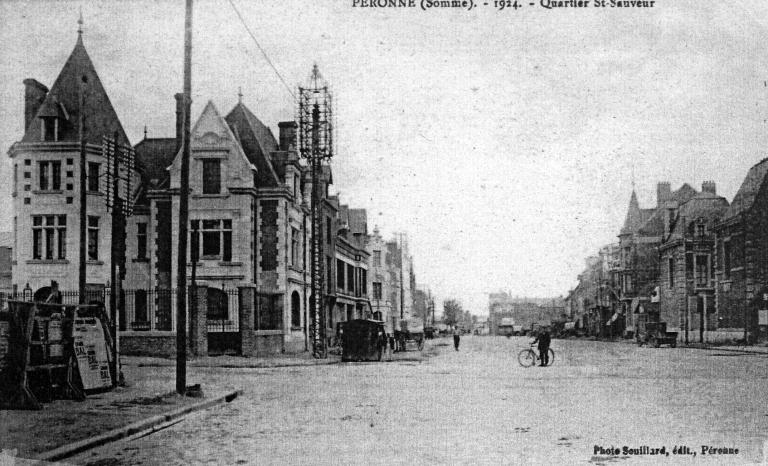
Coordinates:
(402,285)
(181,262)
(113,276)
(83,198)
(318,318)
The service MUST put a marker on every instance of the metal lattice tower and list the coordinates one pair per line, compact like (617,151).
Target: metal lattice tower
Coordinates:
(315,140)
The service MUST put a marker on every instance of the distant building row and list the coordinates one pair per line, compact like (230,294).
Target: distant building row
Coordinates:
(697,262)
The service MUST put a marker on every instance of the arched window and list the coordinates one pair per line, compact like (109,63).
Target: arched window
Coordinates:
(217,305)
(295,309)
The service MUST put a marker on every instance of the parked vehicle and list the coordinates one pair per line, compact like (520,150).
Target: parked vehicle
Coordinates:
(654,334)
(362,340)
(410,330)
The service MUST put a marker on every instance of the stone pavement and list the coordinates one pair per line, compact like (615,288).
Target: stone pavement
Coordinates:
(149,393)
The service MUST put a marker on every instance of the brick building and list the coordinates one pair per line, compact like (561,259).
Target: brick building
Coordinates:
(741,265)
(379,283)
(687,254)
(352,300)
(639,239)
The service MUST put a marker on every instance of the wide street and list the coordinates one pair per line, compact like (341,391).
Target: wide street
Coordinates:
(477,406)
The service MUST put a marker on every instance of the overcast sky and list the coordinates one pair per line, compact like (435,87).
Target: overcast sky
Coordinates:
(502,142)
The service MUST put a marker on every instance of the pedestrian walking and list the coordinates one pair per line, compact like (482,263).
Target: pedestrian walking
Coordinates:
(456,337)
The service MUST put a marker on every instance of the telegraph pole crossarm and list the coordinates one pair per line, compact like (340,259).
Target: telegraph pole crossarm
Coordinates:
(315,120)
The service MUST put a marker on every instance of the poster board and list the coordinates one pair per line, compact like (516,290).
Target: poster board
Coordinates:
(762,317)
(91,353)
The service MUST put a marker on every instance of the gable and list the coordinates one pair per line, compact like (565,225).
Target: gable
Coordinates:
(63,101)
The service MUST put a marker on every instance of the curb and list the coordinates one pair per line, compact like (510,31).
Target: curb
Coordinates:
(137,429)
(326,362)
(718,348)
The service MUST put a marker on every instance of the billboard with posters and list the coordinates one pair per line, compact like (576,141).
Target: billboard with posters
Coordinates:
(91,353)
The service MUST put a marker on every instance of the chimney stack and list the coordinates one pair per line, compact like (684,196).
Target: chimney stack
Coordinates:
(179,118)
(663,193)
(287,135)
(709,187)
(34,96)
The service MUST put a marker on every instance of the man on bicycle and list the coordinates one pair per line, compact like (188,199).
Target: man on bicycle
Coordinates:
(543,339)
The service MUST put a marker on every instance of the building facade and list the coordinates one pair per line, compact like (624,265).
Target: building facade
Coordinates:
(741,261)
(47,179)
(687,255)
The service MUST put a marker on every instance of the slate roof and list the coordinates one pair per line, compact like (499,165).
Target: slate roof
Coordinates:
(257,142)
(704,205)
(63,100)
(747,193)
(155,156)
(650,222)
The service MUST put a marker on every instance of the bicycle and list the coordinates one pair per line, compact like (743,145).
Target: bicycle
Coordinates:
(528,357)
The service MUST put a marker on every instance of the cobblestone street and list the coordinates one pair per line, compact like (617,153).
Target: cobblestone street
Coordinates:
(477,405)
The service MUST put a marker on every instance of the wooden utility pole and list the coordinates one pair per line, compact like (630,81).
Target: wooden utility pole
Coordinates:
(181,263)
(117,239)
(83,198)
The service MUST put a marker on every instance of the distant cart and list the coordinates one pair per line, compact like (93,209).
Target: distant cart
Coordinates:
(655,334)
(410,331)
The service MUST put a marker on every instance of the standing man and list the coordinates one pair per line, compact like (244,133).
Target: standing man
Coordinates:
(456,337)
(543,339)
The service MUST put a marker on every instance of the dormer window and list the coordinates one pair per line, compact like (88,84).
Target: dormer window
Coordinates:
(50,129)
(211,176)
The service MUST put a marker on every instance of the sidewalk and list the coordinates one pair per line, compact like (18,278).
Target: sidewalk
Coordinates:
(228,362)
(753,349)
(151,382)
(149,393)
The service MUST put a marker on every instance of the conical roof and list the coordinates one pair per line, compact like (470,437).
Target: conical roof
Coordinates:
(63,101)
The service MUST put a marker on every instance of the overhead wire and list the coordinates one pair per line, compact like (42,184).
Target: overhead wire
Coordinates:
(263,52)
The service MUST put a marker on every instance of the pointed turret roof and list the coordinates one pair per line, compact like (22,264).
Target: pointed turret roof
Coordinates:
(633,219)
(63,101)
(257,142)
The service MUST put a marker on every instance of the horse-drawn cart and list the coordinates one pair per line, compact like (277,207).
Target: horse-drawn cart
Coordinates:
(410,331)
(655,334)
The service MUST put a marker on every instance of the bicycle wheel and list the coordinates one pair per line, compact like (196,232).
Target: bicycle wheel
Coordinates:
(526,358)
(551,357)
